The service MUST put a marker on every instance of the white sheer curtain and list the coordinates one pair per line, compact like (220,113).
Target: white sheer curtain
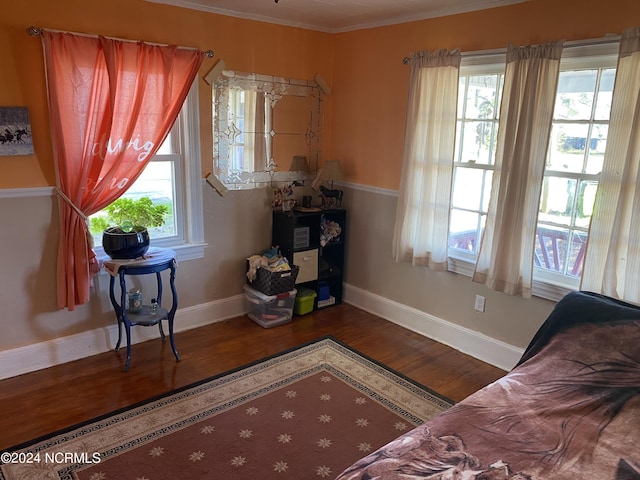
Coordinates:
(422,217)
(505,259)
(612,262)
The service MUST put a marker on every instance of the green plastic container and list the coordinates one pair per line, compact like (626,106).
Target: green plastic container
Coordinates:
(304,301)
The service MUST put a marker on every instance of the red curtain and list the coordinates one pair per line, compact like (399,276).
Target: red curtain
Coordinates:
(111,104)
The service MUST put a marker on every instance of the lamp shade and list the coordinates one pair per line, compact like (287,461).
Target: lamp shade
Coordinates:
(330,172)
(299,164)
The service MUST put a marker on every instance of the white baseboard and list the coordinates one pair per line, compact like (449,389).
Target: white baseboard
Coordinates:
(467,341)
(37,356)
(33,357)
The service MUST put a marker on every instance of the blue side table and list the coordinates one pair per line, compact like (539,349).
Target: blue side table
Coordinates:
(156,260)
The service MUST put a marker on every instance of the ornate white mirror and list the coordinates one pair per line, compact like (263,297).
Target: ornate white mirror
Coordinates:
(260,123)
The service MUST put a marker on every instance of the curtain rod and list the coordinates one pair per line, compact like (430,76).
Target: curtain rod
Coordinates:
(35,31)
(610,38)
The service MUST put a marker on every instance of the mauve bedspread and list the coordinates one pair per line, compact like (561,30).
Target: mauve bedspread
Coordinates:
(569,410)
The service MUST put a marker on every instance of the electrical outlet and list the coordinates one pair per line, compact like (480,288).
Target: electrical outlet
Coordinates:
(480,300)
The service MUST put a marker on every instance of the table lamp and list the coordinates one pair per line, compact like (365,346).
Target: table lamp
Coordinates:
(330,172)
(299,164)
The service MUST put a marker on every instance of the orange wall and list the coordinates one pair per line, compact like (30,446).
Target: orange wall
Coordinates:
(365,113)
(244,46)
(371,83)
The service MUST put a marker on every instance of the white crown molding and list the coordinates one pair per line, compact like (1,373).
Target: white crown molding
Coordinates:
(392,20)
(243,15)
(451,9)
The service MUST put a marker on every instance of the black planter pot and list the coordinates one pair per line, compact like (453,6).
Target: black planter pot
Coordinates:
(121,246)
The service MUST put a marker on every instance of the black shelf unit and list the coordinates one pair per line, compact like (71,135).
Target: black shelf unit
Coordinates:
(298,234)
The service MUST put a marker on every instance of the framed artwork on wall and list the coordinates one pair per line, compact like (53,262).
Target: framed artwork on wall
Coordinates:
(15,131)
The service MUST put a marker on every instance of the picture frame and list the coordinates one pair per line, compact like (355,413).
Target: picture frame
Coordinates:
(15,132)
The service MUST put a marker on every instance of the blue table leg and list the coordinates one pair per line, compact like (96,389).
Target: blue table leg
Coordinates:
(159,300)
(125,319)
(128,361)
(174,307)
(117,309)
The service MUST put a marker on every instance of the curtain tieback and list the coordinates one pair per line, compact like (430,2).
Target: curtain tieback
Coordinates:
(71,204)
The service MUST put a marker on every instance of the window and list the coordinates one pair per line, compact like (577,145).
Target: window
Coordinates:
(477,128)
(574,161)
(173,178)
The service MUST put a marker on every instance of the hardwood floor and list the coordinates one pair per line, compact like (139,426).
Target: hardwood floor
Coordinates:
(41,402)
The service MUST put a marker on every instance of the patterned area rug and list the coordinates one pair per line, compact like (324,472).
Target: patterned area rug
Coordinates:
(306,413)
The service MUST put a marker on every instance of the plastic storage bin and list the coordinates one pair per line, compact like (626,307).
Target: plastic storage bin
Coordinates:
(304,301)
(269,310)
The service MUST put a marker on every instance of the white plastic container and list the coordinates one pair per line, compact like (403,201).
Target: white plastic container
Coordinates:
(269,310)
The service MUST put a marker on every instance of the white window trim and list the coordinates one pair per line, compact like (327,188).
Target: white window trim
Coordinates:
(194,244)
(546,284)
(190,245)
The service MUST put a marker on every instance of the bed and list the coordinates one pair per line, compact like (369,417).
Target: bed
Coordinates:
(570,409)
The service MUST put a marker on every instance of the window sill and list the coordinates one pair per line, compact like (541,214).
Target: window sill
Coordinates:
(541,288)
(190,251)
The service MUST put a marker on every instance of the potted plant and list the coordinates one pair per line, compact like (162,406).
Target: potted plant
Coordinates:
(124,228)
